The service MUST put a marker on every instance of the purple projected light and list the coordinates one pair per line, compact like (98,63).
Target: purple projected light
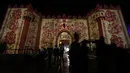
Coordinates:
(129,29)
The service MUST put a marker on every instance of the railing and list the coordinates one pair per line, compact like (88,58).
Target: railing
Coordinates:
(22,51)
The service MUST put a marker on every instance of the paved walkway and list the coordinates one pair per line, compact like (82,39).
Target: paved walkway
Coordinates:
(66,63)
(92,64)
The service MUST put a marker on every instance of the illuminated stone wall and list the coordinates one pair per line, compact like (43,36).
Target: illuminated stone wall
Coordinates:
(12,27)
(50,28)
(113,27)
(24,27)
(93,27)
(32,32)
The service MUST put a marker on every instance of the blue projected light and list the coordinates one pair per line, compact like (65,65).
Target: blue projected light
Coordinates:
(129,29)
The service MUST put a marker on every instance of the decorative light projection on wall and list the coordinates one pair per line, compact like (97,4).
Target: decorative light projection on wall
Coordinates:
(114,30)
(59,25)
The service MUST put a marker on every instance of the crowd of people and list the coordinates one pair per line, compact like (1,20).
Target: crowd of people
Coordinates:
(110,59)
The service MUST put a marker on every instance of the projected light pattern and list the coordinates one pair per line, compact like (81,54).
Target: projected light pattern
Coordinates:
(129,29)
(114,30)
(24,27)
(51,27)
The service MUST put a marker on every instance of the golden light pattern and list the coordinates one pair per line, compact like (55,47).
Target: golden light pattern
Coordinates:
(12,28)
(50,28)
(114,29)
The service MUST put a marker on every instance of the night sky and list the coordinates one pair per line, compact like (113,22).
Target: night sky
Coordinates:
(70,7)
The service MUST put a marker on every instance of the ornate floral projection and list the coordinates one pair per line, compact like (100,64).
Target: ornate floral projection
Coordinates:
(114,28)
(12,28)
(48,31)
(93,28)
(51,27)
(32,32)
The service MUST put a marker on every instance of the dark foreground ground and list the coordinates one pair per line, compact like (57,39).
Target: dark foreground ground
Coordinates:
(28,64)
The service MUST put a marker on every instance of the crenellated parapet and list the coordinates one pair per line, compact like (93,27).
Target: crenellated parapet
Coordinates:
(63,16)
(30,10)
(98,11)
(104,6)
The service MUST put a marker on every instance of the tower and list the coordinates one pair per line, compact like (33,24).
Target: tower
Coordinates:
(111,25)
(16,26)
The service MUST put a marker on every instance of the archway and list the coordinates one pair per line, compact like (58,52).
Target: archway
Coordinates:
(64,37)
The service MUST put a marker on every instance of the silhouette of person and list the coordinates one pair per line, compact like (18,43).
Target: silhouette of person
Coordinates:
(122,60)
(74,54)
(55,52)
(83,56)
(61,53)
(101,52)
(3,47)
(50,56)
(111,51)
